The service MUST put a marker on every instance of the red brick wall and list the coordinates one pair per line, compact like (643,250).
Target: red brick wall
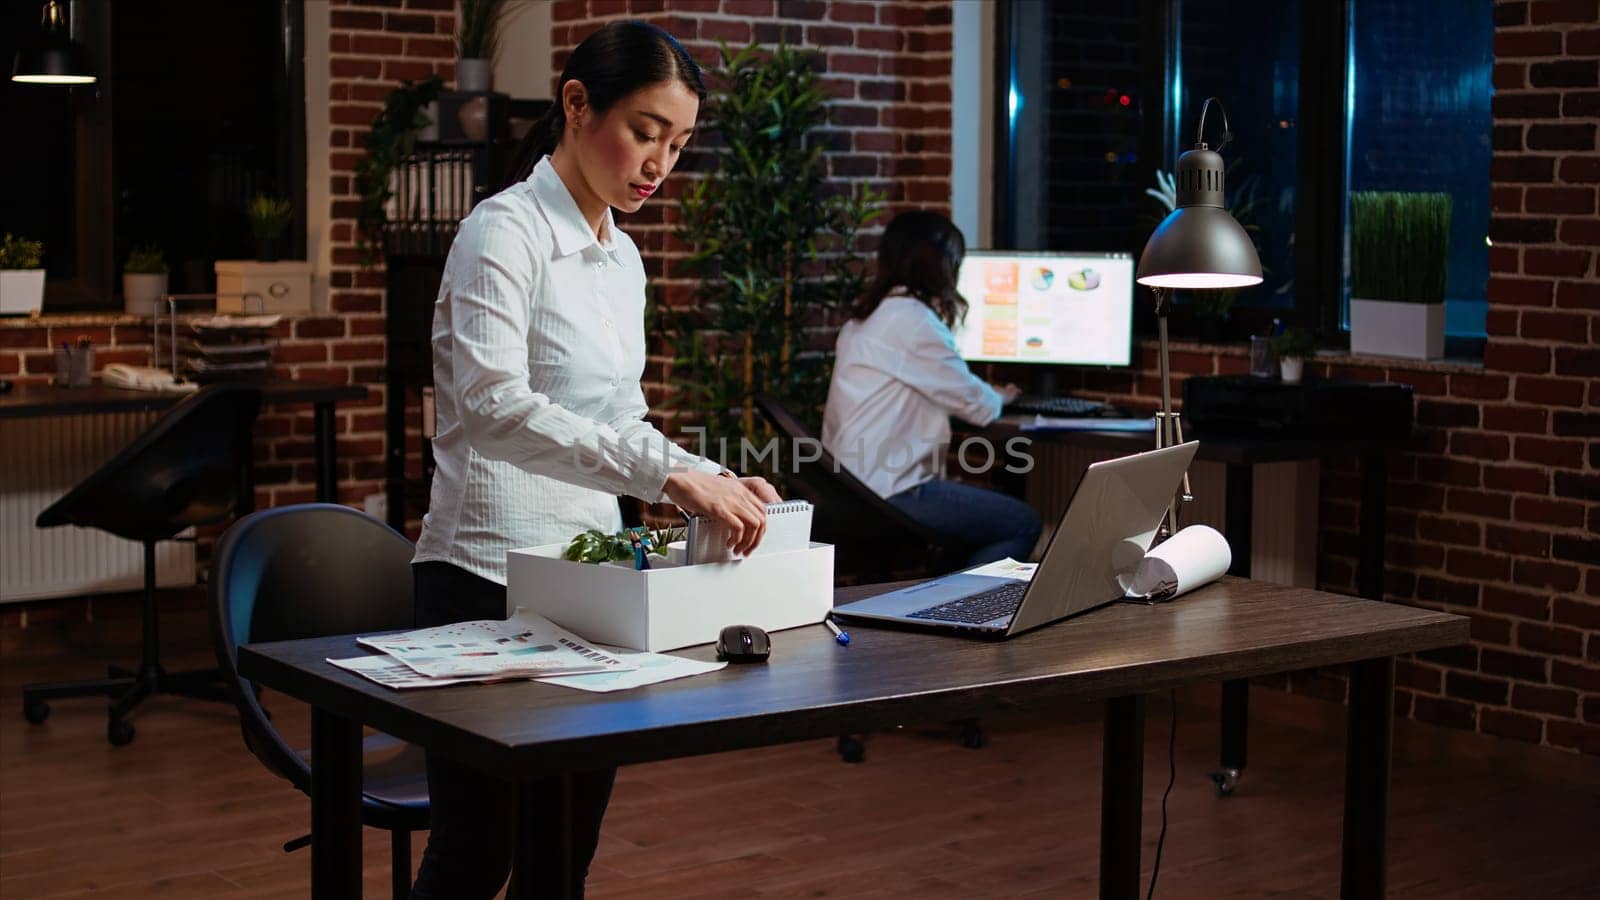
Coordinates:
(373,45)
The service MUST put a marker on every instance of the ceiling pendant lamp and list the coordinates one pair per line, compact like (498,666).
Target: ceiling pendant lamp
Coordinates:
(53,57)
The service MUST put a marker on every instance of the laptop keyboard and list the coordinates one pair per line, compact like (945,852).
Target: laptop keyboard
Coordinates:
(1055,406)
(995,603)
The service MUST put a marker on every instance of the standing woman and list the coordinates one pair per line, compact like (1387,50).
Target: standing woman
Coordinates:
(538,347)
(897,380)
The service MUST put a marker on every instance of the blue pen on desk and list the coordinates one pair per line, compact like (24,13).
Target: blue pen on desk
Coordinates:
(843,637)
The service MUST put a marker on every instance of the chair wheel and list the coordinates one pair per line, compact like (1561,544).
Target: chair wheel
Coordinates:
(35,711)
(972,737)
(852,749)
(1225,780)
(119,733)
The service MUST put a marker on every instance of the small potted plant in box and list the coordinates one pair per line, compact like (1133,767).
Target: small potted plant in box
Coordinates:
(21,276)
(269,218)
(144,281)
(1399,245)
(1293,348)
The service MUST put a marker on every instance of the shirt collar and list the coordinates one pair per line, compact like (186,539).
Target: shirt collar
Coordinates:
(572,232)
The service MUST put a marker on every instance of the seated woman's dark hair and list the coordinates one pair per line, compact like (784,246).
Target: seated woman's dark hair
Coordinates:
(620,58)
(921,252)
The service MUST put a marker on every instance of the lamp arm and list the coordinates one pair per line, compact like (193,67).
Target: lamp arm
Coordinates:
(1200,133)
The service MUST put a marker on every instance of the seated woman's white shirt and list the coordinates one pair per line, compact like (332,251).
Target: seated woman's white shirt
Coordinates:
(898,377)
(538,348)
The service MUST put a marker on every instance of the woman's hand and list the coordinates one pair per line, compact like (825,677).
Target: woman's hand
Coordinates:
(738,503)
(1008,392)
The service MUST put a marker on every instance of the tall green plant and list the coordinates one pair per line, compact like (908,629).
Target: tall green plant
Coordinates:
(772,243)
(478,28)
(1399,246)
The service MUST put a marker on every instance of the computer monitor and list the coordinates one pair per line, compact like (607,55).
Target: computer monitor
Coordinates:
(1071,309)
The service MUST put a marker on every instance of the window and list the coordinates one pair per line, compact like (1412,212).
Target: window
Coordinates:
(1419,75)
(1323,97)
(199,106)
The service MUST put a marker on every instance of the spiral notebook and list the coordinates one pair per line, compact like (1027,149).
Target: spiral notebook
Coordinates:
(788,528)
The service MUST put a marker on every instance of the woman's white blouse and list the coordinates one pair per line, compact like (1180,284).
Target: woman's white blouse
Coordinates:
(538,348)
(897,379)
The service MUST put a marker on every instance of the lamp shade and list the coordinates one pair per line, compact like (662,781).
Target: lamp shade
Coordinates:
(1199,245)
(51,62)
(53,58)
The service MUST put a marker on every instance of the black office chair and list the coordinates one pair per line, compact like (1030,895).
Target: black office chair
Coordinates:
(874,539)
(191,467)
(309,571)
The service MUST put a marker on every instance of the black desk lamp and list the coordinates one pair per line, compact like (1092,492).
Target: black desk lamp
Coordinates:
(54,58)
(1198,246)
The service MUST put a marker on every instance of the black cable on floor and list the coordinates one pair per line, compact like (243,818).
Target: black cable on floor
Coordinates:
(1172,776)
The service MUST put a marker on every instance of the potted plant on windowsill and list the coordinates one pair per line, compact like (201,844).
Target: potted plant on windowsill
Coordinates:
(477,39)
(1293,348)
(144,281)
(1399,247)
(269,218)
(21,276)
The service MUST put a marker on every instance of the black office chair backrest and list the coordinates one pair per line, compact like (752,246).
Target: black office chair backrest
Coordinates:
(188,468)
(298,572)
(846,510)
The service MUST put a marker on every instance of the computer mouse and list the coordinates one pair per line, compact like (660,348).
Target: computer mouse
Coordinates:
(743,644)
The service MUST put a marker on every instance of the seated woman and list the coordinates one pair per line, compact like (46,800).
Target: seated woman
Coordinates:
(898,378)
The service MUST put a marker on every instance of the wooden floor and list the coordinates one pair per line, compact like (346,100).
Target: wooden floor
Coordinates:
(185,811)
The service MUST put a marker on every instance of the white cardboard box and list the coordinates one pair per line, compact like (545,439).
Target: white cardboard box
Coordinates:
(283,286)
(670,607)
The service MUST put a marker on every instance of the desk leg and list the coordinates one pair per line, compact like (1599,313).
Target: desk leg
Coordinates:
(1374,513)
(1235,737)
(326,451)
(1121,798)
(335,806)
(525,872)
(1363,869)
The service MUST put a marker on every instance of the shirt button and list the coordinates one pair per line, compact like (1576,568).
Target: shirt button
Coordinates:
(606,322)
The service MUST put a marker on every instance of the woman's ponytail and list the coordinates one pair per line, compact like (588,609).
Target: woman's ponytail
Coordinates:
(539,142)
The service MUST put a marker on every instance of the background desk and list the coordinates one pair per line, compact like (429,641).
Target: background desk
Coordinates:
(37,400)
(813,688)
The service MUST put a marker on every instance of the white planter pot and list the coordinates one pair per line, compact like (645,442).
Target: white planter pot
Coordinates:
(142,292)
(21,291)
(473,75)
(1291,370)
(1387,328)
(430,131)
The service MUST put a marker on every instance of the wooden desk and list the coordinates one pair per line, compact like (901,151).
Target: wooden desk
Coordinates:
(38,400)
(1241,455)
(814,688)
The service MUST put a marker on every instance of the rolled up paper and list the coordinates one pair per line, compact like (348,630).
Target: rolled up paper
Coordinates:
(1194,556)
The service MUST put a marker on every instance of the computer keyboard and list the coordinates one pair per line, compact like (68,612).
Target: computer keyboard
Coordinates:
(995,603)
(1056,406)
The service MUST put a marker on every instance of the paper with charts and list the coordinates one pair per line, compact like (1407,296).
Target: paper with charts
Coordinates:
(527,645)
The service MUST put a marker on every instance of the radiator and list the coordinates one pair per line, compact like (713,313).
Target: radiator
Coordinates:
(40,460)
(1283,533)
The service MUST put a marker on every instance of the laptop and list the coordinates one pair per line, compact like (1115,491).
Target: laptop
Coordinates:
(1108,526)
